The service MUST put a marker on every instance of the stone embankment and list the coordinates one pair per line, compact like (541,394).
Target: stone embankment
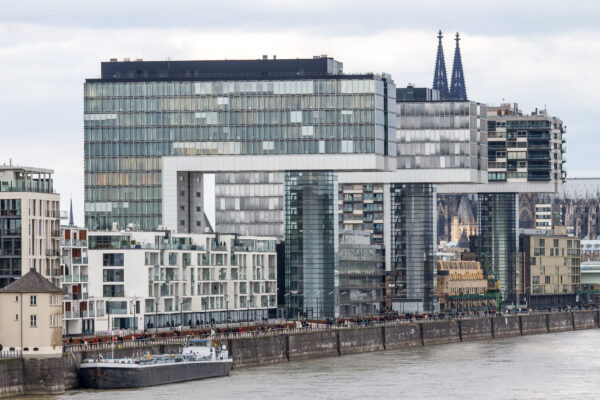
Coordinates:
(55,375)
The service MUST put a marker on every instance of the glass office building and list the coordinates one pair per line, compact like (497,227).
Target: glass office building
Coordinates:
(139,112)
(414,246)
(311,243)
(442,135)
(498,238)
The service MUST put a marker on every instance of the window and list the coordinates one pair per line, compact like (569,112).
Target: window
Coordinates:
(198,209)
(182,208)
(198,223)
(113,275)
(16,317)
(33,300)
(198,194)
(182,193)
(114,290)
(181,222)
(113,260)
(547,280)
(33,320)
(16,299)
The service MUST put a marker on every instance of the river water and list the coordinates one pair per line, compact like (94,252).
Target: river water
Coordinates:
(551,366)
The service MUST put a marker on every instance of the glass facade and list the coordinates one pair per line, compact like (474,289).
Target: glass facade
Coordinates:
(311,243)
(498,238)
(414,245)
(442,134)
(360,208)
(249,203)
(130,125)
(361,275)
(10,241)
(525,148)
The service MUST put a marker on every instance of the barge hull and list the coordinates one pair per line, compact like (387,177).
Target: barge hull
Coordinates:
(105,376)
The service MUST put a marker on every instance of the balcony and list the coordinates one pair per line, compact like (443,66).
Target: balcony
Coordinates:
(10,213)
(80,260)
(53,253)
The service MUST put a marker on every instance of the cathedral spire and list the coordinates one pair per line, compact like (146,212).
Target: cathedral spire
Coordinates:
(440,82)
(458,91)
(71,222)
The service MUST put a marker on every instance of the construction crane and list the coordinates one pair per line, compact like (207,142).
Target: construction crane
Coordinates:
(494,288)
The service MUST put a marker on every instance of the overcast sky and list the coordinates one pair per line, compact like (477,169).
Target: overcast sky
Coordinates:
(536,53)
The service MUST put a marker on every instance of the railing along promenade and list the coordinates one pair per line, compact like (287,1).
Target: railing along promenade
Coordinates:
(171,336)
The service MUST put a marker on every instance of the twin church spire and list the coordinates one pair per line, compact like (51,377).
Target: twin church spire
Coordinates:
(457,90)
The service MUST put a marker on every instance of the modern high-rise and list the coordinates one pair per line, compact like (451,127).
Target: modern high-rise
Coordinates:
(151,128)
(551,268)
(524,148)
(29,224)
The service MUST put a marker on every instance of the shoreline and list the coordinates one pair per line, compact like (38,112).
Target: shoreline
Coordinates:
(29,375)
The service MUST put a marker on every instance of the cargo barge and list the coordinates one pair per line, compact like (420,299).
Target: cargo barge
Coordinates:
(199,359)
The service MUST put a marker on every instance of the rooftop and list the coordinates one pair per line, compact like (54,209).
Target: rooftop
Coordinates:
(210,70)
(31,282)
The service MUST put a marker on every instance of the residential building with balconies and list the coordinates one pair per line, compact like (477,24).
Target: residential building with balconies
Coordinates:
(161,279)
(29,224)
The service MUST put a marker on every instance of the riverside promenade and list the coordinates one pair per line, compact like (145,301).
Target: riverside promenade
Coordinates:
(249,348)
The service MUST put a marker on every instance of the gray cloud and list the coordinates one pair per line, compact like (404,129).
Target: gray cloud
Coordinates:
(531,52)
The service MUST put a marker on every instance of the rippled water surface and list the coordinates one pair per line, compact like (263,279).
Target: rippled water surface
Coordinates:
(557,366)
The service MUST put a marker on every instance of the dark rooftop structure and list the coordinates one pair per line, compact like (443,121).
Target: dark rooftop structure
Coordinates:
(31,282)
(411,93)
(265,68)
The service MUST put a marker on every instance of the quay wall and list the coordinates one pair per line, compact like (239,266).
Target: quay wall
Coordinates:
(559,322)
(475,329)
(439,332)
(533,324)
(305,346)
(506,327)
(360,340)
(258,350)
(585,319)
(402,336)
(47,375)
(12,379)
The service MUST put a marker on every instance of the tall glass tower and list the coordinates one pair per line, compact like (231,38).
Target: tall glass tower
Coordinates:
(414,244)
(311,243)
(499,238)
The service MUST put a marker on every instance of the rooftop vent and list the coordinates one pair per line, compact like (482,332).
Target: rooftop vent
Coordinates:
(113,60)
(265,57)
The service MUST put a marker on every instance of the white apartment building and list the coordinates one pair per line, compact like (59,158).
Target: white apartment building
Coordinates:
(160,279)
(79,309)
(29,224)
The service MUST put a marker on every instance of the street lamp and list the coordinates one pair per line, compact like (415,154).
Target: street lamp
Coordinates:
(181,314)
(155,314)
(227,310)
(134,307)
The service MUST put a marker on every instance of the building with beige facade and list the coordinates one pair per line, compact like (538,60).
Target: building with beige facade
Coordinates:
(551,268)
(31,316)
(29,224)
(462,285)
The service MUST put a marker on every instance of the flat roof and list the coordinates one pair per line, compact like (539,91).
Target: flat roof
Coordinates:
(27,169)
(320,67)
